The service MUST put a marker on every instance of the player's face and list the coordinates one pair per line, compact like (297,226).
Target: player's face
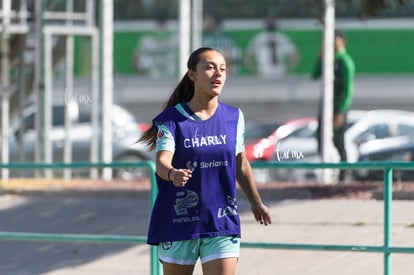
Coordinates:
(210,74)
(339,43)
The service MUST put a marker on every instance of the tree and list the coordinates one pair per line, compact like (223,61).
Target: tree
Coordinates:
(372,7)
(357,8)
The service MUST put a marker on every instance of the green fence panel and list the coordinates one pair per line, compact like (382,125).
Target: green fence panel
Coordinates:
(387,249)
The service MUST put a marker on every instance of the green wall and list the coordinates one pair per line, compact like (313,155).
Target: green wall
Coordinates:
(382,51)
(375,51)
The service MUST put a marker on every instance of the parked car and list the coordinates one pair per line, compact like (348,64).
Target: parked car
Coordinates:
(376,125)
(262,137)
(301,145)
(399,149)
(267,146)
(125,132)
(364,130)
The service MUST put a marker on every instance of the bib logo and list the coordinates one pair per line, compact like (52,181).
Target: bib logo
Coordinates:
(166,245)
(202,141)
(185,200)
(191,165)
(229,210)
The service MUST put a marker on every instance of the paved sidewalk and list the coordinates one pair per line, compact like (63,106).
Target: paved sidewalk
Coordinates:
(301,214)
(346,222)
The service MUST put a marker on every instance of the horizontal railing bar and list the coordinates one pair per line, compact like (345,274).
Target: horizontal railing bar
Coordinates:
(86,238)
(328,247)
(55,237)
(60,165)
(271,165)
(356,165)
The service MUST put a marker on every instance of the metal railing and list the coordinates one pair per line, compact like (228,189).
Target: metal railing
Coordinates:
(88,238)
(386,249)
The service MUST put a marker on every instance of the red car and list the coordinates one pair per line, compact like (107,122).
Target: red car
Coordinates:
(261,137)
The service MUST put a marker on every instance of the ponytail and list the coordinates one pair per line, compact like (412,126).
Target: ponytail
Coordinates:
(184,91)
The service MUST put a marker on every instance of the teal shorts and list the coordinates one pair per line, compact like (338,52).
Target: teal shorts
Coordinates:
(207,249)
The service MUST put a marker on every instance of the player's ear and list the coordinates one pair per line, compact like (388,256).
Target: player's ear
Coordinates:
(191,75)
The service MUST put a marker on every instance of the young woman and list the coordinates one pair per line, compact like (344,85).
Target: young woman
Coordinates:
(199,155)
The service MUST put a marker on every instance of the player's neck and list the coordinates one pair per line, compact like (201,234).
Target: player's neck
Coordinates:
(204,108)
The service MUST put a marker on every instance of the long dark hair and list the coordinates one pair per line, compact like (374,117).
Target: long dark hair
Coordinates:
(184,91)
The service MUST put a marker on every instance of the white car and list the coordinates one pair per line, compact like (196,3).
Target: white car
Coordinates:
(302,145)
(363,128)
(125,132)
(375,125)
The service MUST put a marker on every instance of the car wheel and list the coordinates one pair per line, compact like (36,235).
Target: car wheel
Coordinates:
(130,173)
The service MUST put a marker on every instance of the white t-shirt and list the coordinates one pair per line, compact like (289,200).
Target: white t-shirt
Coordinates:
(271,52)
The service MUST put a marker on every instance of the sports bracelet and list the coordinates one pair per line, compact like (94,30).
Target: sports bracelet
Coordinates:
(169,173)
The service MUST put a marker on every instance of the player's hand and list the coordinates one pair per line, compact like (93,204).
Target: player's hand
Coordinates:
(339,120)
(262,214)
(180,177)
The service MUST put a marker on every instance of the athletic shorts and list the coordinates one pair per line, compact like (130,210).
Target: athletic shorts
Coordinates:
(207,249)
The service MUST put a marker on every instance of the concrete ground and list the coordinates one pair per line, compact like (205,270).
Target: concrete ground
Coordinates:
(344,222)
(300,219)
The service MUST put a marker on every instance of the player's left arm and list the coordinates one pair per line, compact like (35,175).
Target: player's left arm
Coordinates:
(245,179)
(348,71)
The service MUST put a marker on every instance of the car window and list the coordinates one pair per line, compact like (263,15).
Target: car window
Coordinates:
(379,131)
(58,116)
(120,117)
(84,117)
(306,131)
(405,130)
(258,131)
(303,132)
(29,122)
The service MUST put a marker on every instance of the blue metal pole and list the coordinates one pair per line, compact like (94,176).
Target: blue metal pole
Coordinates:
(387,220)
(155,264)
